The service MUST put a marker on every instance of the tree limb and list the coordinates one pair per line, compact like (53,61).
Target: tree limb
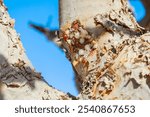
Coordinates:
(18,78)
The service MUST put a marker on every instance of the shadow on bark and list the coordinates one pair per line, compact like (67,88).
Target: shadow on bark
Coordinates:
(16,75)
(112,27)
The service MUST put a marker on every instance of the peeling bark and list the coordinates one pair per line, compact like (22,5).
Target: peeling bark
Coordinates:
(107,48)
(18,78)
(109,52)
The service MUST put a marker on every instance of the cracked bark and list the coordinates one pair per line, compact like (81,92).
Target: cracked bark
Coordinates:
(109,52)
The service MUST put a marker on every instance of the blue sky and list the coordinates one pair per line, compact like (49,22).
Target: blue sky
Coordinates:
(44,55)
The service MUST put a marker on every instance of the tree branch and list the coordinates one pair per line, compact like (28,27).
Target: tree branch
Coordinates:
(18,78)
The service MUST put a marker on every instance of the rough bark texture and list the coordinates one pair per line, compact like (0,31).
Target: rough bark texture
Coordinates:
(18,79)
(109,51)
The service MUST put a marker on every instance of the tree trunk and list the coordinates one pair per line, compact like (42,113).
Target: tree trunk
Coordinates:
(109,52)
(108,49)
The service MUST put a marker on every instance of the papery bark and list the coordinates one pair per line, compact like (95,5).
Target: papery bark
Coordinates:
(109,51)
(18,78)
